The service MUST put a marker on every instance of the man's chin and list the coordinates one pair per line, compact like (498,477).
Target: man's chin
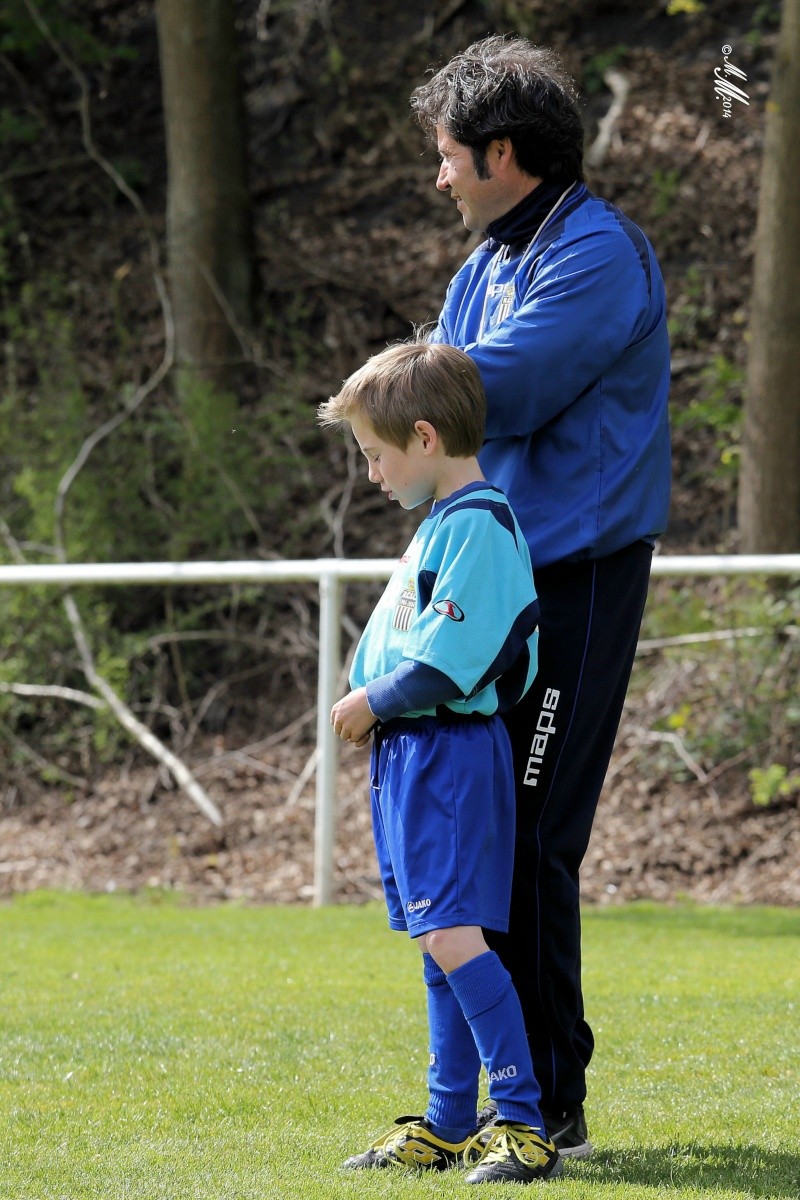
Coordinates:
(471,225)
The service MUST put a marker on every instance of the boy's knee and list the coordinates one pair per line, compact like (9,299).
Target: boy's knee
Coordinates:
(454,946)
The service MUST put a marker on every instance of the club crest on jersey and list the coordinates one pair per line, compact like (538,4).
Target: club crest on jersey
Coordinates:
(447,608)
(406,607)
(505,306)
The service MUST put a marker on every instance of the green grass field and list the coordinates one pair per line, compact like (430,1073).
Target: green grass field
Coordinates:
(151,1050)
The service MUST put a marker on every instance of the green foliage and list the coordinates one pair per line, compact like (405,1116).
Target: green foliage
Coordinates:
(20,35)
(43,426)
(203,491)
(737,698)
(152,1049)
(16,129)
(235,465)
(772,783)
(687,7)
(665,190)
(766,18)
(517,16)
(680,718)
(21,39)
(114,667)
(595,67)
(337,63)
(676,607)
(203,477)
(36,646)
(691,311)
(132,170)
(718,407)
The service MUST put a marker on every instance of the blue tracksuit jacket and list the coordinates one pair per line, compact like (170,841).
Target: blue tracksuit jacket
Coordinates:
(563,309)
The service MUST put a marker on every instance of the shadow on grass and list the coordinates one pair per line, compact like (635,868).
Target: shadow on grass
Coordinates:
(751,1170)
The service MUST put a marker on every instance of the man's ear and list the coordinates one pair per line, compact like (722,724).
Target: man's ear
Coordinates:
(500,154)
(427,436)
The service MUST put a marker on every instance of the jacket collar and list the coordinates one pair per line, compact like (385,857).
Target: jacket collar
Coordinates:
(522,221)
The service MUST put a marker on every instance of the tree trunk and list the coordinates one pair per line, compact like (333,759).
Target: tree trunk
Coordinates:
(209,221)
(769,491)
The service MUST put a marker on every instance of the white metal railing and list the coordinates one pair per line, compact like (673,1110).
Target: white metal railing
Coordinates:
(329,574)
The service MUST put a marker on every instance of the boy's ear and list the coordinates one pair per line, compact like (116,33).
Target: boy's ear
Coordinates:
(427,435)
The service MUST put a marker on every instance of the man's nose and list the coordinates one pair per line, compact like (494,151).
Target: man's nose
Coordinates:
(441,180)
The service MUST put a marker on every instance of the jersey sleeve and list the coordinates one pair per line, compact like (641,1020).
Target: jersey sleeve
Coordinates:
(410,687)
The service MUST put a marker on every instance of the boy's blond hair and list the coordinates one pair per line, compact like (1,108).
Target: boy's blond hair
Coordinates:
(410,382)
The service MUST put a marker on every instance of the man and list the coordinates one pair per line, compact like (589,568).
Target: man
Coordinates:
(562,308)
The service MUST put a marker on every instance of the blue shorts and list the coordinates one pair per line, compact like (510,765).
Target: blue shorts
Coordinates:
(443,816)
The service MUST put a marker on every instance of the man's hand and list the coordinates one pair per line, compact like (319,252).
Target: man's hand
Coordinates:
(352,718)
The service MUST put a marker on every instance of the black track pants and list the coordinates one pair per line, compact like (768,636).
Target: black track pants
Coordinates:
(562,736)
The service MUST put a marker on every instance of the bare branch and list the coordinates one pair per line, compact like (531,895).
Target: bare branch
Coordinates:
(274,739)
(749,752)
(249,347)
(619,88)
(335,519)
(58,693)
(261,19)
(56,164)
(648,645)
(211,695)
(132,725)
(44,764)
(86,130)
(672,739)
(303,778)
(202,635)
(12,545)
(255,764)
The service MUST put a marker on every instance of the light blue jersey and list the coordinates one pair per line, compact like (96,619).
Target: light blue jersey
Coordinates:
(460,603)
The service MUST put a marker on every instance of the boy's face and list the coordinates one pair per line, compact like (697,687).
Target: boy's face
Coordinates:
(407,476)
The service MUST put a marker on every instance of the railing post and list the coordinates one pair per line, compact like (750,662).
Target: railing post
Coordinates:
(327,741)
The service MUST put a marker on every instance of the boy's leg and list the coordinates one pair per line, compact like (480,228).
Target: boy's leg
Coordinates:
(449,852)
(484,993)
(454,1062)
(516,1148)
(436,1140)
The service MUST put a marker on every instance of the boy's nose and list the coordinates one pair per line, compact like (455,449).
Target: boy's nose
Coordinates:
(374,474)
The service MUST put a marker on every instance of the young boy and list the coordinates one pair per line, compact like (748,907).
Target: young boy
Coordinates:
(451,643)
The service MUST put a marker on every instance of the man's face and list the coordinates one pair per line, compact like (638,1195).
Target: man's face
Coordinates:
(480,201)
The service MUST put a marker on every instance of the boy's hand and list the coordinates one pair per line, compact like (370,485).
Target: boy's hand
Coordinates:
(352,718)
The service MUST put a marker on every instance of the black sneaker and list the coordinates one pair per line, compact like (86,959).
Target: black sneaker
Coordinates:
(513,1153)
(568,1131)
(486,1115)
(409,1143)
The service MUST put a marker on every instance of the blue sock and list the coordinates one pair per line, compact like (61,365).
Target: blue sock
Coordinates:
(490,1004)
(454,1062)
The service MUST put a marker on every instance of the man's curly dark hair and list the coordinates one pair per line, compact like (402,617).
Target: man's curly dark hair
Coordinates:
(501,87)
